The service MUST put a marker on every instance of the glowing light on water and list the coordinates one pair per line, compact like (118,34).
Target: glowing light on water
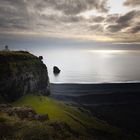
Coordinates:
(113,51)
(106,51)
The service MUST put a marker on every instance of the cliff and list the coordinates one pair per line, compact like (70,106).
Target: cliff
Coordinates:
(22,73)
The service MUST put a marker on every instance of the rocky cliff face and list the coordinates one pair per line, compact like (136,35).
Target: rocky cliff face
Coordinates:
(22,73)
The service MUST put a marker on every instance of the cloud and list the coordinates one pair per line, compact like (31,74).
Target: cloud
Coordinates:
(62,18)
(114,28)
(65,18)
(73,7)
(135,29)
(97,19)
(123,21)
(14,15)
(112,18)
(132,3)
(96,28)
(27,14)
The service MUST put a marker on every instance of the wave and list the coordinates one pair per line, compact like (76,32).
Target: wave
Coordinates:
(115,82)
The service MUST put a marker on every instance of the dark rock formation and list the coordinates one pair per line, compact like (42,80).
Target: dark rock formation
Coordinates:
(40,58)
(22,73)
(56,70)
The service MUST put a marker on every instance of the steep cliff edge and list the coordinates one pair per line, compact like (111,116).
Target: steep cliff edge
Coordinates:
(22,73)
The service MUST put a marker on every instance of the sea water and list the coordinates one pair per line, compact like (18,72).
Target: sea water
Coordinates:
(93,66)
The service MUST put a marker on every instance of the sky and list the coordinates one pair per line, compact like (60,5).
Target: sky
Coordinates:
(91,20)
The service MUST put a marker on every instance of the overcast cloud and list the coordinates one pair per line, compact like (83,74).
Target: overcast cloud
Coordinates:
(133,3)
(69,18)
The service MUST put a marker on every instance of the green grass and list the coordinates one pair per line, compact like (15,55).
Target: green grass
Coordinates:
(12,128)
(61,112)
(18,57)
(57,111)
(79,120)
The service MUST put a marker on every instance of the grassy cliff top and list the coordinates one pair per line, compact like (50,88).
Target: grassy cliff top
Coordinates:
(15,55)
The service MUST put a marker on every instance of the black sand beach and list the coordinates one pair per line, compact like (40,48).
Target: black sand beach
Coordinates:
(115,103)
(97,94)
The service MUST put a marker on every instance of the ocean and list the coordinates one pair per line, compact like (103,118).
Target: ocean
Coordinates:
(93,66)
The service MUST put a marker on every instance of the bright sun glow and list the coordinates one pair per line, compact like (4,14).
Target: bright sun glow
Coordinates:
(110,51)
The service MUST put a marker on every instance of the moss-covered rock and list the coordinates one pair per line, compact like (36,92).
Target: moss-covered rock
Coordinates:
(22,73)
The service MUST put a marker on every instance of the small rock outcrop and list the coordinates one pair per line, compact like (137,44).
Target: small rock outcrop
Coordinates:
(22,73)
(40,58)
(56,70)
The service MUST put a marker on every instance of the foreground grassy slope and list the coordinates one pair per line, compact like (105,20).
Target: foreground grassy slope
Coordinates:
(77,118)
(58,111)
(12,128)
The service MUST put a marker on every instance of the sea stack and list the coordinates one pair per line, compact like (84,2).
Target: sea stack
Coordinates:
(56,70)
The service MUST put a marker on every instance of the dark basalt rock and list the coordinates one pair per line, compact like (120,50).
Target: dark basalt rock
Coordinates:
(40,58)
(56,70)
(22,73)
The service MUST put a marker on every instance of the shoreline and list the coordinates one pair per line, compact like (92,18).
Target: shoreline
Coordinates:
(94,83)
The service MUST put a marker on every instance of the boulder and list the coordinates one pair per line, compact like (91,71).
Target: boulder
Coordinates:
(41,117)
